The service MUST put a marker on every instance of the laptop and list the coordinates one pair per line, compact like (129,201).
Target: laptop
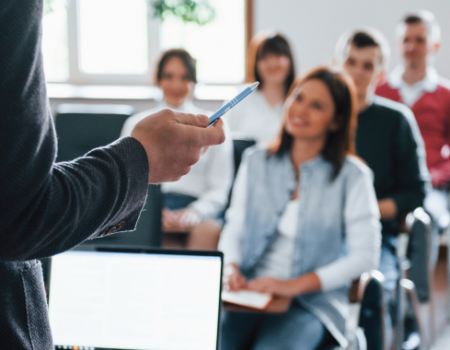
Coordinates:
(113,298)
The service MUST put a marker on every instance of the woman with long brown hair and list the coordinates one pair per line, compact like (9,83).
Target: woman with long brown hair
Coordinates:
(269,61)
(303,221)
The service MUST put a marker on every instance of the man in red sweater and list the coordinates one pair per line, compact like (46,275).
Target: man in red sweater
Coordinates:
(417,84)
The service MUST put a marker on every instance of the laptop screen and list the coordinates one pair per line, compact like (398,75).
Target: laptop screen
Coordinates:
(124,300)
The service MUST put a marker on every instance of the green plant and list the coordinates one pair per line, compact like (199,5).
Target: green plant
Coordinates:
(200,11)
(48,6)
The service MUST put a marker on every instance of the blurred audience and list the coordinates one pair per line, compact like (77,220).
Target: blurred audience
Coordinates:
(194,203)
(269,61)
(416,83)
(303,221)
(389,141)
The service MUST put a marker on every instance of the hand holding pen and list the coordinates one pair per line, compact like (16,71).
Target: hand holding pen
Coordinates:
(225,108)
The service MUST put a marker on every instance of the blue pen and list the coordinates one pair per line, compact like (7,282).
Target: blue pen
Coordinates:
(225,108)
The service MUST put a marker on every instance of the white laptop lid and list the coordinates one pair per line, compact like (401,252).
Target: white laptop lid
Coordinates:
(152,299)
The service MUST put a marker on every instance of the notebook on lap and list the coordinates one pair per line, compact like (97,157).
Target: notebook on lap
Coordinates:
(135,299)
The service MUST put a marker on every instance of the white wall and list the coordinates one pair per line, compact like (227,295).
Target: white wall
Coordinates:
(313,26)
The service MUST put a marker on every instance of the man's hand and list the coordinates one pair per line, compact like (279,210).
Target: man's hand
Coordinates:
(388,209)
(179,220)
(174,142)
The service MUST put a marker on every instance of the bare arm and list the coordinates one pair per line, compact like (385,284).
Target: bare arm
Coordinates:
(388,209)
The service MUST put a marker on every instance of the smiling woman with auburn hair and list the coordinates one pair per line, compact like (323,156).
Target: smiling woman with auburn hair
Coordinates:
(303,221)
(340,142)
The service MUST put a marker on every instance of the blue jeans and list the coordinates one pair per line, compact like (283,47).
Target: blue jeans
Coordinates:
(177,201)
(296,329)
(390,269)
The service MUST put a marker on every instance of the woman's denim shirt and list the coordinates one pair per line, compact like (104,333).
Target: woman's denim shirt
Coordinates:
(320,237)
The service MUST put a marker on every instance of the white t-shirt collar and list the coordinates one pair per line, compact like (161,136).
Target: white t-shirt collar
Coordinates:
(429,83)
(263,100)
(411,93)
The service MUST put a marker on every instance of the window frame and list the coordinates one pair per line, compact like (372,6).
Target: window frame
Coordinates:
(76,77)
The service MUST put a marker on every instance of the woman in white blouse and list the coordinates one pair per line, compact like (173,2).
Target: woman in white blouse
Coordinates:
(194,203)
(269,61)
(303,221)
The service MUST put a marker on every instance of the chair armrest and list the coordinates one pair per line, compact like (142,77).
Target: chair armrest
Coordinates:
(364,280)
(372,310)
(407,221)
(405,227)
(358,286)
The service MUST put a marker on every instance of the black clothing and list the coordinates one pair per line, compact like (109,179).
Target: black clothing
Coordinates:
(47,208)
(385,141)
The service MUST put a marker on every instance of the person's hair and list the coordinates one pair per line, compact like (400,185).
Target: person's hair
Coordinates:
(425,17)
(362,38)
(265,43)
(339,143)
(188,62)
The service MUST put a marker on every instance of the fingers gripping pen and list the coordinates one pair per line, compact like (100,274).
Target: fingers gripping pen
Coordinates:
(225,108)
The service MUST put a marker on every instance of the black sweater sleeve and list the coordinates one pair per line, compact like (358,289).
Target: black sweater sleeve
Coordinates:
(46,208)
(410,181)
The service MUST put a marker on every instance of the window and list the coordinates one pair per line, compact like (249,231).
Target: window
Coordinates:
(119,42)
(55,43)
(112,36)
(219,47)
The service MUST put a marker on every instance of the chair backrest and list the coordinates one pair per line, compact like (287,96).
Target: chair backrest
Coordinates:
(239,146)
(369,333)
(372,311)
(419,252)
(83,127)
(148,233)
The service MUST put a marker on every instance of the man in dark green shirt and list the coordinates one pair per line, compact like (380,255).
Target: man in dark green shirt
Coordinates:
(388,140)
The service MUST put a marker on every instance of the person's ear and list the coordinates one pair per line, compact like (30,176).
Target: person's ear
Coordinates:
(381,76)
(335,64)
(436,46)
